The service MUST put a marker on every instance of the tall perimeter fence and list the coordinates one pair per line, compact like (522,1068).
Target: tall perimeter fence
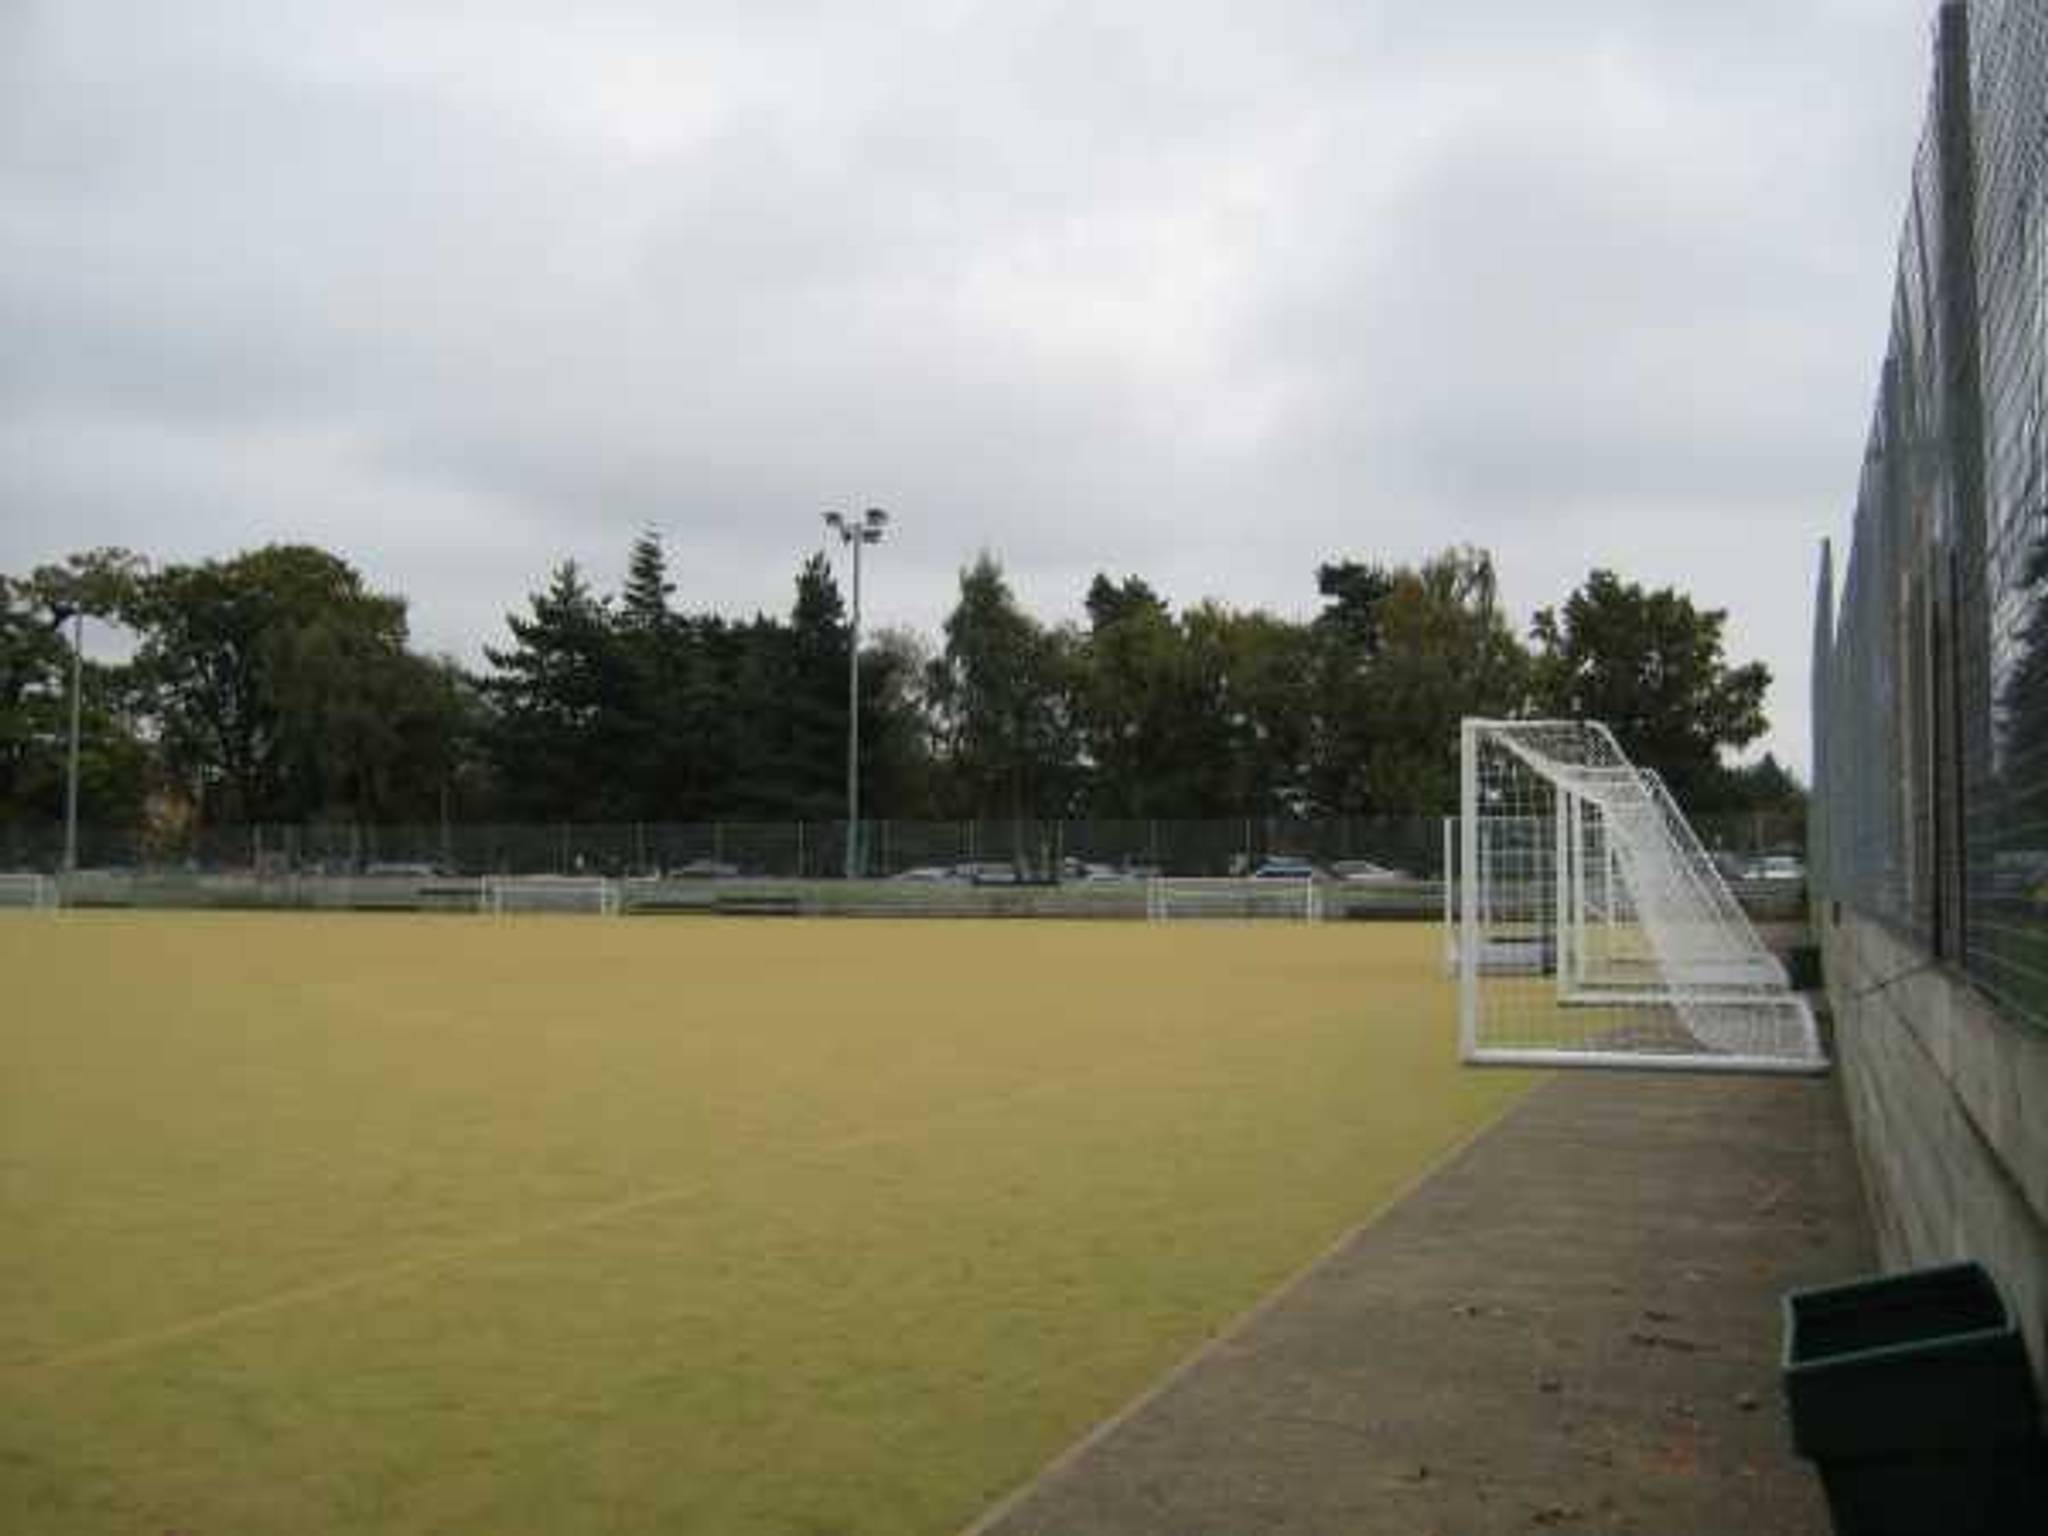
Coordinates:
(1930,810)
(1410,845)
(1388,866)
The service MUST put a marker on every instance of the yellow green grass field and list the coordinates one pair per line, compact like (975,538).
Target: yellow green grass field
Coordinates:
(816,1228)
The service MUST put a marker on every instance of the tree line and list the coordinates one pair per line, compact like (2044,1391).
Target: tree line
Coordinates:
(277,686)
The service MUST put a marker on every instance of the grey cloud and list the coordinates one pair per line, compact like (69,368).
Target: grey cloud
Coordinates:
(1208,292)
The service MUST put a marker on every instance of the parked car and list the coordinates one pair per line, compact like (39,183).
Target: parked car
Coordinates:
(1364,869)
(1284,869)
(1086,871)
(705,869)
(925,872)
(1778,866)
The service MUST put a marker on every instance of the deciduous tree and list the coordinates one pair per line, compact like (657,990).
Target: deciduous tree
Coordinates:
(1652,667)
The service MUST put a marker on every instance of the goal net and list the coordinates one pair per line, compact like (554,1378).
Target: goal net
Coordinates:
(32,892)
(1227,899)
(1592,928)
(586,895)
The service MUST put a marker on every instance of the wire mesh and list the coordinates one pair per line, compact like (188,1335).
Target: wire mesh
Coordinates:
(1197,899)
(1397,847)
(1596,926)
(1931,672)
(32,891)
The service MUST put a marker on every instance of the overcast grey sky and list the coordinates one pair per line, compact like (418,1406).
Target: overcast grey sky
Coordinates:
(1206,292)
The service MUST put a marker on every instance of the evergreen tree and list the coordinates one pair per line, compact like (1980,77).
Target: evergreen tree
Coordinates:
(562,692)
(1003,696)
(1132,700)
(643,602)
(659,741)
(814,697)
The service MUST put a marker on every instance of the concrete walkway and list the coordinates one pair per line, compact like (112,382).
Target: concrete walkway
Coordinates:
(1573,1326)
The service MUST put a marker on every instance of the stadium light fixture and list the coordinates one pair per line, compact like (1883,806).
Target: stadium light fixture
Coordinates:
(855,532)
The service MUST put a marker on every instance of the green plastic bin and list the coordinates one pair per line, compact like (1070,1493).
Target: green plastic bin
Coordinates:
(1911,1395)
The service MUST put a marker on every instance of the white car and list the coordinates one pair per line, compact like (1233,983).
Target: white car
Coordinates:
(1364,869)
(1083,871)
(705,869)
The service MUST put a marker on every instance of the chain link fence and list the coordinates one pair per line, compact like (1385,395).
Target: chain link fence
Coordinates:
(1361,847)
(1931,681)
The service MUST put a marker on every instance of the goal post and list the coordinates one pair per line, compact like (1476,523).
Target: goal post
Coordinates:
(585,895)
(1239,898)
(25,890)
(1592,927)
(1450,895)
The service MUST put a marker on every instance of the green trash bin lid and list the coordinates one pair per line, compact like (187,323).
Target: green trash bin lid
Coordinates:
(1925,1360)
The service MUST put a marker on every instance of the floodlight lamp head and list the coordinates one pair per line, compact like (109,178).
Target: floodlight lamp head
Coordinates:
(876,518)
(836,523)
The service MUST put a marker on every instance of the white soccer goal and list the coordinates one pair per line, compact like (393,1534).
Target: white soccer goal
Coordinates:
(28,891)
(1179,900)
(586,895)
(1592,928)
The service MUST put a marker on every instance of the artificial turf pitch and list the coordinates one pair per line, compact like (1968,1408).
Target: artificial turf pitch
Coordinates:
(816,1228)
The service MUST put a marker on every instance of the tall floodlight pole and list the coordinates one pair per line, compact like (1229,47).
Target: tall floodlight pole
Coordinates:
(854,532)
(71,769)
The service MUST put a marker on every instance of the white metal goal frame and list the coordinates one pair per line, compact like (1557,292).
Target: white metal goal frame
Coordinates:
(1593,929)
(1450,895)
(1234,898)
(26,890)
(583,895)
(1507,951)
